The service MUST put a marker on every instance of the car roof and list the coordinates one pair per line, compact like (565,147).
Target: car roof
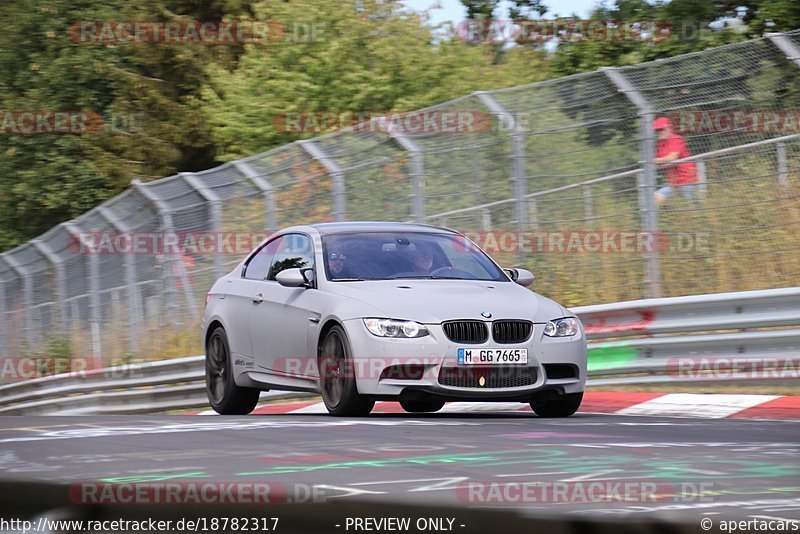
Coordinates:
(377,226)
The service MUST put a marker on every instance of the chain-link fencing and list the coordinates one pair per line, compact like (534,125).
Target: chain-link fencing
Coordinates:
(565,177)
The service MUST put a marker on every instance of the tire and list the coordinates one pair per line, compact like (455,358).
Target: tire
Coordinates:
(225,397)
(422,405)
(337,379)
(561,406)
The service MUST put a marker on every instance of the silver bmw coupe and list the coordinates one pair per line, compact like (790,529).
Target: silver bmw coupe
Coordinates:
(366,311)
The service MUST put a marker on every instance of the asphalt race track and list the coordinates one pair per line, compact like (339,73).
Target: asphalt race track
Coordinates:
(717,468)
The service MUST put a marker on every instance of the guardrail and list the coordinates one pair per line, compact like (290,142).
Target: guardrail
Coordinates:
(750,335)
(128,389)
(703,338)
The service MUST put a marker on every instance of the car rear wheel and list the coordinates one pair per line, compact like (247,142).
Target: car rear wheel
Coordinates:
(422,405)
(338,379)
(225,396)
(560,406)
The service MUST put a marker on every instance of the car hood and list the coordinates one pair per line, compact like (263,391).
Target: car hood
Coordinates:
(434,301)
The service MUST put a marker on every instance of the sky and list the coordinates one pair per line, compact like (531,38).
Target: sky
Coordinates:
(455,11)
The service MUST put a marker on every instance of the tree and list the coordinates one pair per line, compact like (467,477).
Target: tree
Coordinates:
(517,9)
(143,97)
(690,32)
(773,16)
(381,58)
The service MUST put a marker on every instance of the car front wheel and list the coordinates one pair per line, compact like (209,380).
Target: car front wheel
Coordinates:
(560,406)
(337,377)
(225,397)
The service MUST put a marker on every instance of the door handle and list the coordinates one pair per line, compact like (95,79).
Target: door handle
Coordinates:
(258,299)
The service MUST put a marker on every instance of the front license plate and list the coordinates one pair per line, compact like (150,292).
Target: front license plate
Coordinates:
(492,356)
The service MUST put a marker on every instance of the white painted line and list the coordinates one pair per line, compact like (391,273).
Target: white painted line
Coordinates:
(318,408)
(451,407)
(458,407)
(223,425)
(696,405)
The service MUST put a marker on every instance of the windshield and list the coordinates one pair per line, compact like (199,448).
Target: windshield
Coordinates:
(406,255)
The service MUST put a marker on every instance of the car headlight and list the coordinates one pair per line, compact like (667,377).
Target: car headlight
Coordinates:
(395,328)
(561,327)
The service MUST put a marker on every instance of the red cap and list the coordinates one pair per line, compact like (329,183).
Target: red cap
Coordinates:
(660,123)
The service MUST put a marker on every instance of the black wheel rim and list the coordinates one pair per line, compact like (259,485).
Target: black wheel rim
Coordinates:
(216,368)
(333,360)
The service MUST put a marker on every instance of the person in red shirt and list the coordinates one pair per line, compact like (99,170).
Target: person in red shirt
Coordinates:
(671,146)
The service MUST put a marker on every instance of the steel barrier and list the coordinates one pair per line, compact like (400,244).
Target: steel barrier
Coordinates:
(743,336)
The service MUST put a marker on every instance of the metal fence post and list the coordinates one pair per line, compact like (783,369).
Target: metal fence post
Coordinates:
(93,280)
(588,205)
(215,209)
(337,175)
(175,267)
(61,293)
(266,189)
(27,294)
(703,176)
(2,317)
(518,171)
(417,174)
(135,305)
(647,183)
(786,45)
(783,166)
(486,220)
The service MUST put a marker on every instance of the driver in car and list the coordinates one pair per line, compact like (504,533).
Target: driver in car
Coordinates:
(422,258)
(336,263)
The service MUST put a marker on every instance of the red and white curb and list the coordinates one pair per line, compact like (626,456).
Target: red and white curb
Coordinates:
(706,406)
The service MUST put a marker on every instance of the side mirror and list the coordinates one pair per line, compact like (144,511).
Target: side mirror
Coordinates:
(308,275)
(522,277)
(291,278)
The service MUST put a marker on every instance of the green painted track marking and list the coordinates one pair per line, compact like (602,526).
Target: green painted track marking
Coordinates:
(608,357)
(488,458)
(553,458)
(154,477)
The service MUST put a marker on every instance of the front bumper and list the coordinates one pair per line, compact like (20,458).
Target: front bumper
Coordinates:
(372,355)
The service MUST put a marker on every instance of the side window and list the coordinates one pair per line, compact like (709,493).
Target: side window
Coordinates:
(294,251)
(258,264)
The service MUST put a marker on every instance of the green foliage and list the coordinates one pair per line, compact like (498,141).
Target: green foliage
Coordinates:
(145,96)
(517,9)
(690,32)
(775,16)
(168,108)
(378,59)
